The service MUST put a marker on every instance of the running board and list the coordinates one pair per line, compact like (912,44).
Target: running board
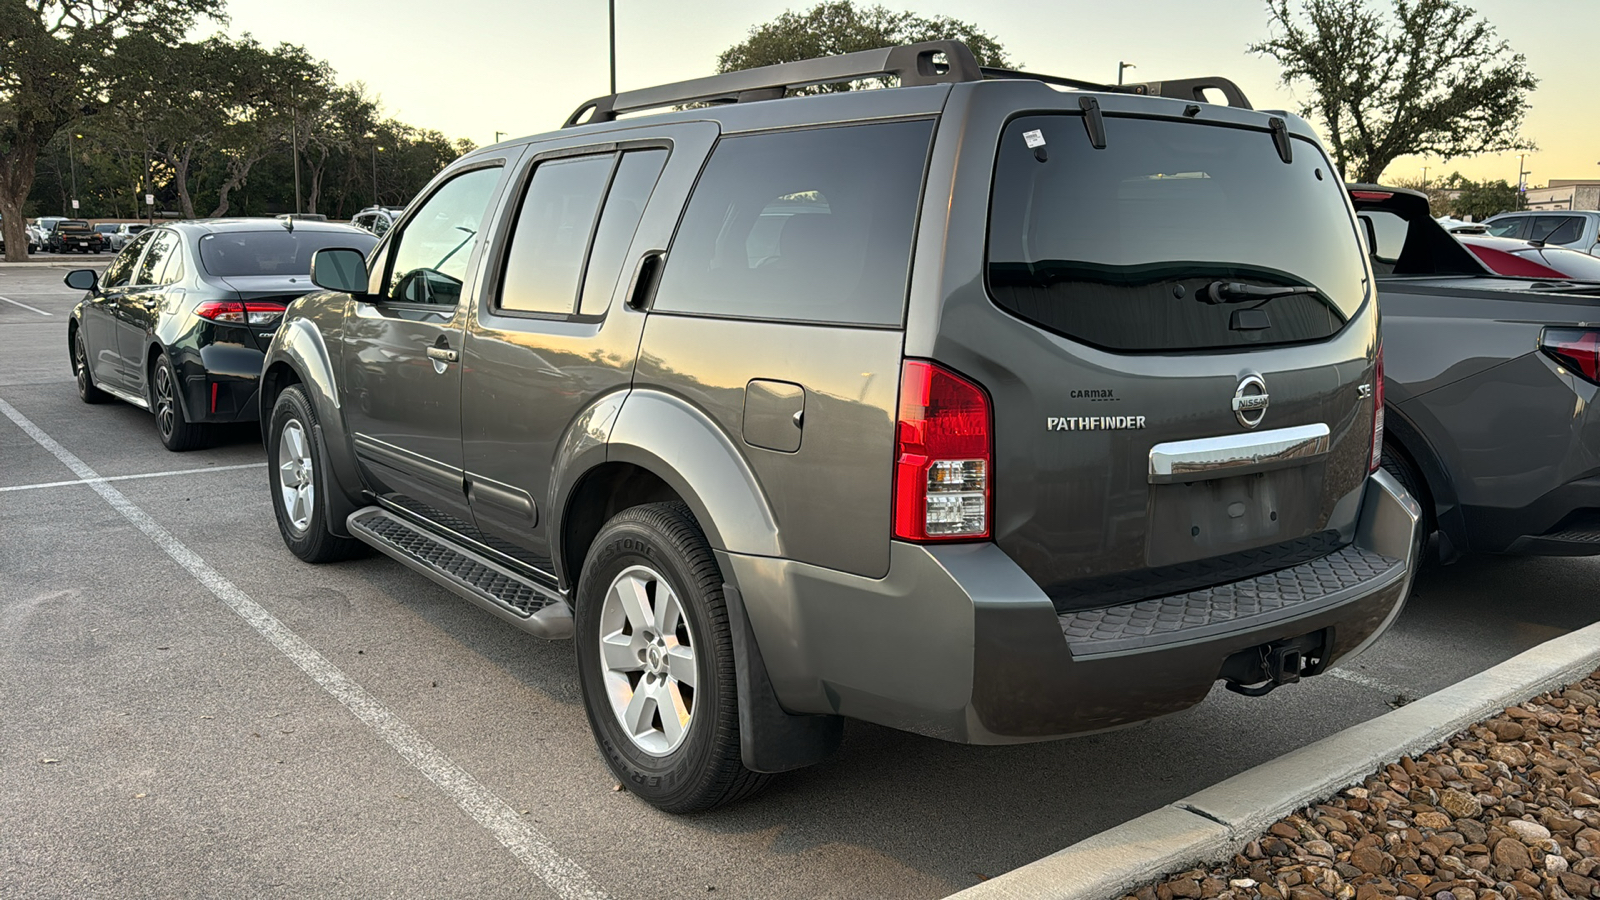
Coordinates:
(538,610)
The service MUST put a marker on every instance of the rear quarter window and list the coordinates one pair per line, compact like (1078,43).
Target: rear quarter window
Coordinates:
(813,225)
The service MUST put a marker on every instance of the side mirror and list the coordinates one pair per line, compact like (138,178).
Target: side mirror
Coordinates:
(82,279)
(339,269)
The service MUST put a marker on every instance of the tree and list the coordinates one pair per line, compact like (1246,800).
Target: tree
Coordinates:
(839,26)
(1480,200)
(54,69)
(1426,77)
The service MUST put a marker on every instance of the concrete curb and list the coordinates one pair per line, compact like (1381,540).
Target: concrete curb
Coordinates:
(1215,823)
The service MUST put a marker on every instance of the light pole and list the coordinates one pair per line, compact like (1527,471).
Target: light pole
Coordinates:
(1522,181)
(1122,66)
(611,9)
(72,160)
(375,151)
(497,136)
(1424,177)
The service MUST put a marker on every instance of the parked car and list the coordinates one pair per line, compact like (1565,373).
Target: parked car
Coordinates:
(73,234)
(106,230)
(302,217)
(1531,259)
(1490,419)
(377,219)
(690,389)
(125,232)
(1577,229)
(32,246)
(178,323)
(39,229)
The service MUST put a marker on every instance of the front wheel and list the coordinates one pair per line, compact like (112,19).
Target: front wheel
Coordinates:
(301,481)
(655,660)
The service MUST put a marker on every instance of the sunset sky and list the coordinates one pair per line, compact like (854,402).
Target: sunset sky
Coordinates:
(473,67)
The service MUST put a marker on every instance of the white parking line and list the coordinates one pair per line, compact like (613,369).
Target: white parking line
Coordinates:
(51,484)
(1366,681)
(565,877)
(26,306)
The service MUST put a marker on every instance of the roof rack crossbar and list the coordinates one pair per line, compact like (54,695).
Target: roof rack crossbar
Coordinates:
(913,64)
(1195,89)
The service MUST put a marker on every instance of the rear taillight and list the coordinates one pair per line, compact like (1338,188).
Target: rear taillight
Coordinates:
(1577,349)
(1377,413)
(234,312)
(944,454)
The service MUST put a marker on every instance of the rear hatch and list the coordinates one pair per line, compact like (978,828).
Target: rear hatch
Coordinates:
(1148,442)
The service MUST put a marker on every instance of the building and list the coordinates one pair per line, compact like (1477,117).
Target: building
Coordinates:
(1565,193)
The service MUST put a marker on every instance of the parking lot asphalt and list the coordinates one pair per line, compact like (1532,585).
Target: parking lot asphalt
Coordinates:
(187,710)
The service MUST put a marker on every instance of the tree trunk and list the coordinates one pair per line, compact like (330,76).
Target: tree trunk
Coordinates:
(238,171)
(16,182)
(180,165)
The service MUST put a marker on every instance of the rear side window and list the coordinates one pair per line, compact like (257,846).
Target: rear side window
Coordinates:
(1116,247)
(1511,227)
(630,190)
(545,259)
(150,268)
(812,225)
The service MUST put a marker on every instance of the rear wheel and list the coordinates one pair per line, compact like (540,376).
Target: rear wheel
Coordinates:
(655,659)
(301,481)
(87,392)
(176,431)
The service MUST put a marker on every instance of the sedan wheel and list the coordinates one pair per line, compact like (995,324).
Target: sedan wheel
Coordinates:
(177,432)
(87,392)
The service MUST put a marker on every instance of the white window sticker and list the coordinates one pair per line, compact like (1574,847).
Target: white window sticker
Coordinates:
(1034,138)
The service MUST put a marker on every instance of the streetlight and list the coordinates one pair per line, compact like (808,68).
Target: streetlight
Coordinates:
(1522,181)
(1120,67)
(497,136)
(72,159)
(375,151)
(1424,177)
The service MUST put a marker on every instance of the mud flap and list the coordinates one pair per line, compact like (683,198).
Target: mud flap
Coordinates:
(771,740)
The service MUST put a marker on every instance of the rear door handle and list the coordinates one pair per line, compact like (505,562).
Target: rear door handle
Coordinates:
(443,354)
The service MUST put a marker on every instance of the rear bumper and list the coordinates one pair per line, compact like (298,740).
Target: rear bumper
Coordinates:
(956,642)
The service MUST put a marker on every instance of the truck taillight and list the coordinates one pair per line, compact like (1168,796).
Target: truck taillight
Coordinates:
(233,312)
(1377,413)
(944,455)
(1578,349)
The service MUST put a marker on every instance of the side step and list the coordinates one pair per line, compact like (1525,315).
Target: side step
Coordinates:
(536,609)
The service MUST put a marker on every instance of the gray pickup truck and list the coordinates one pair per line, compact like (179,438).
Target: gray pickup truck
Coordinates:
(992,406)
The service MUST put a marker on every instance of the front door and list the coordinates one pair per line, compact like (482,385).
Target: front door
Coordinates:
(552,334)
(100,320)
(402,343)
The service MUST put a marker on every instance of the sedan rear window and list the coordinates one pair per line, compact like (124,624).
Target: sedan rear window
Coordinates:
(1116,247)
(276,252)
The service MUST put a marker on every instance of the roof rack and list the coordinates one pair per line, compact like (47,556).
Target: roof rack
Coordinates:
(930,62)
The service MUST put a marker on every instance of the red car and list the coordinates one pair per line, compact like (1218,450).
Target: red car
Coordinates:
(1531,259)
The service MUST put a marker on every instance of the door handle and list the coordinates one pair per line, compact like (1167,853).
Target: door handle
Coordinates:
(443,354)
(151,302)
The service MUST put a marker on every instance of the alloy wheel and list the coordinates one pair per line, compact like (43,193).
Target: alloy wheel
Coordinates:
(80,362)
(166,414)
(647,651)
(296,475)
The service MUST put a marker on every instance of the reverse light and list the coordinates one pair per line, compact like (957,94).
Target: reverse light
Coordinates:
(1576,348)
(944,455)
(235,312)
(1377,413)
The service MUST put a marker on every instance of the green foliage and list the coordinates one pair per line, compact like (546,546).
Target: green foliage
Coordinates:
(839,26)
(1424,77)
(1480,200)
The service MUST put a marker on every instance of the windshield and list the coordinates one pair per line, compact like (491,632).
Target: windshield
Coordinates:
(276,252)
(1114,246)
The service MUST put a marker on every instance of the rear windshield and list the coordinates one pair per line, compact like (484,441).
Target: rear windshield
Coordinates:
(1116,247)
(277,252)
(72,225)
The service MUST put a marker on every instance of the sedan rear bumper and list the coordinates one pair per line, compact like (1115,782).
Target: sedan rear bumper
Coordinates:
(957,642)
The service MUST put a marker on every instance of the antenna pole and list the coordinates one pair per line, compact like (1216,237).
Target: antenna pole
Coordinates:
(611,8)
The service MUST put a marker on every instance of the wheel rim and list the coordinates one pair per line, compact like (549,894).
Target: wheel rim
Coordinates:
(296,482)
(80,360)
(647,653)
(166,412)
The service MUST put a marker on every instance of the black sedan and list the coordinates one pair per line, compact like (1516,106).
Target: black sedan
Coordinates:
(178,323)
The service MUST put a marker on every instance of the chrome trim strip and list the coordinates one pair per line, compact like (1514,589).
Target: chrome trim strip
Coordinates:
(1237,454)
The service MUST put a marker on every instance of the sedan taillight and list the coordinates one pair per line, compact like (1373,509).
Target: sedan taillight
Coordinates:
(235,312)
(1576,348)
(944,455)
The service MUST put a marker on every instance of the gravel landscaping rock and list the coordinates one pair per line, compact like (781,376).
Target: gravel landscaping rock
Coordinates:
(1507,810)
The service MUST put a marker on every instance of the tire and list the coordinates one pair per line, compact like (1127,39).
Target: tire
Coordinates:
(640,553)
(87,392)
(300,482)
(177,433)
(1400,466)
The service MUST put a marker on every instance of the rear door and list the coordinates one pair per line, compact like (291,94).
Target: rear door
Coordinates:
(550,335)
(102,337)
(1127,376)
(401,359)
(779,315)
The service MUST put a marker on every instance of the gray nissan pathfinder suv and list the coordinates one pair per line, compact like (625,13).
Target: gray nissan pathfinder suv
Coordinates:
(992,406)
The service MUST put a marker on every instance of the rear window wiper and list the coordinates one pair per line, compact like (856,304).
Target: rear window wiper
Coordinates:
(1219,292)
